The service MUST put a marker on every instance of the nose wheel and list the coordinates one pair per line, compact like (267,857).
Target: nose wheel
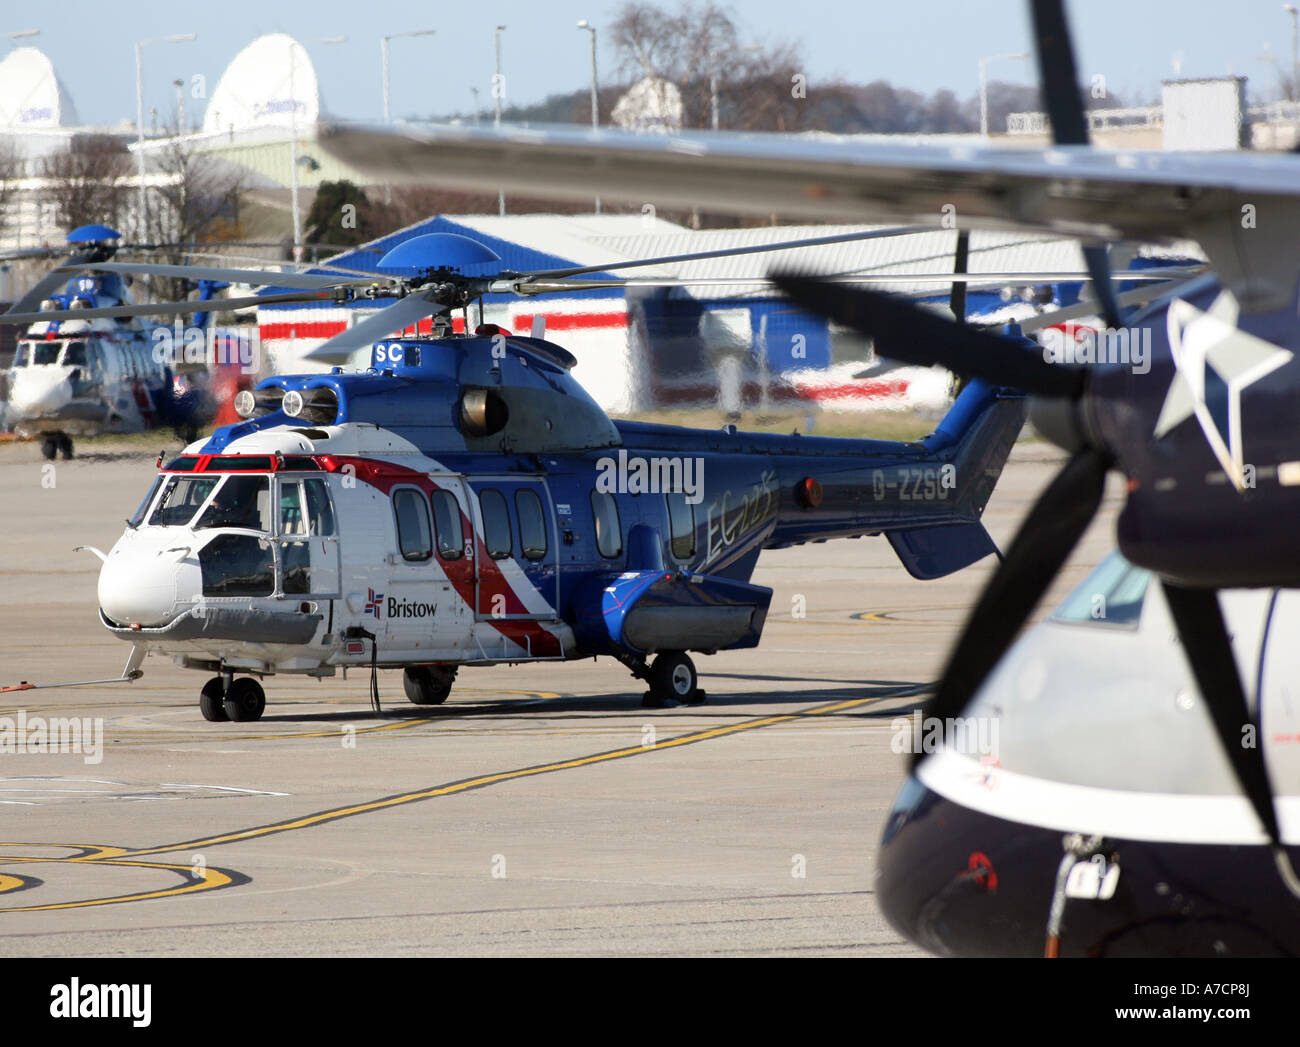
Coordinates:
(427,684)
(243,700)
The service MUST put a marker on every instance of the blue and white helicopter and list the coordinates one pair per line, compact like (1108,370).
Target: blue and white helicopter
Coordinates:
(88,363)
(464,501)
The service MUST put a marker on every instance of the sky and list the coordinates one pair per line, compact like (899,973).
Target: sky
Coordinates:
(922,45)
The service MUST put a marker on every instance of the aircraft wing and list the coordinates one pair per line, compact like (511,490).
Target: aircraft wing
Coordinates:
(1243,208)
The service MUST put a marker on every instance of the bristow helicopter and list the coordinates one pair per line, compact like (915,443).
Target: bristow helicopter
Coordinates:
(465,502)
(978,856)
(89,371)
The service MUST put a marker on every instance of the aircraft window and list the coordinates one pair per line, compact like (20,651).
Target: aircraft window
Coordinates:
(74,355)
(292,519)
(496,524)
(609,529)
(532,524)
(45,352)
(181,465)
(681,520)
(182,498)
(446,521)
(138,517)
(240,501)
(240,463)
(237,565)
(412,525)
(1111,595)
(320,515)
(20,356)
(297,462)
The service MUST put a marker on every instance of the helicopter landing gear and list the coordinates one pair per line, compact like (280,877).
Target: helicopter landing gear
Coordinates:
(245,699)
(212,701)
(428,684)
(55,444)
(673,681)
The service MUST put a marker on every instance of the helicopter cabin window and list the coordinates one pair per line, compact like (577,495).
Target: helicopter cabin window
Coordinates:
(496,523)
(237,565)
(532,524)
(446,522)
(240,501)
(138,518)
(412,512)
(74,355)
(305,509)
(181,499)
(681,524)
(609,529)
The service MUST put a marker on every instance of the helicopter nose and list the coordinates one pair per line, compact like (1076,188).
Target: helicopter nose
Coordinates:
(35,391)
(139,586)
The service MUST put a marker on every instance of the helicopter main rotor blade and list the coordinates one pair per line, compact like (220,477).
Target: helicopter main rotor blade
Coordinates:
(50,282)
(1204,638)
(306,281)
(729,252)
(1045,539)
(396,317)
(908,332)
(210,305)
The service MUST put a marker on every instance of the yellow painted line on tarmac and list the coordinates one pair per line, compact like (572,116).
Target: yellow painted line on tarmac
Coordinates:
(208,879)
(482,781)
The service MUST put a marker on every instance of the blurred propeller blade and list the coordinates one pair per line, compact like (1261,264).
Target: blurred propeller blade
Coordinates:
(907,332)
(957,298)
(218,305)
(48,284)
(396,317)
(1046,537)
(1201,630)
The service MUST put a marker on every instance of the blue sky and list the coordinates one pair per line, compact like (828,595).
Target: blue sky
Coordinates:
(922,45)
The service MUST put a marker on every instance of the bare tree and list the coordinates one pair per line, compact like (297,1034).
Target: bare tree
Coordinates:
(11,170)
(88,182)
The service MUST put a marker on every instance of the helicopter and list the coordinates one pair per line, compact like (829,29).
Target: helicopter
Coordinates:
(85,373)
(463,501)
(1205,438)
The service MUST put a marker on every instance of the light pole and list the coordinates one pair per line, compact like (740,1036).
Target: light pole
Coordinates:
(713,89)
(383,54)
(498,90)
(180,106)
(595,87)
(1295,49)
(293,145)
(984,89)
(175,38)
(474,92)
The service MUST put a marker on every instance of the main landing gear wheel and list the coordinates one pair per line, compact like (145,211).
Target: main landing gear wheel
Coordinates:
(65,446)
(673,681)
(212,701)
(245,700)
(49,447)
(427,685)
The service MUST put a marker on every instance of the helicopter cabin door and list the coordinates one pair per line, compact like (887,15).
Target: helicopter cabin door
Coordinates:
(518,570)
(427,605)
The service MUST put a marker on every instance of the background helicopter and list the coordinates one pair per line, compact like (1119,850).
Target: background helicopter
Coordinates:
(464,501)
(1206,439)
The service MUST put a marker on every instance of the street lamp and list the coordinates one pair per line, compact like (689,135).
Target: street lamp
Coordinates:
(498,89)
(1295,49)
(293,146)
(984,89)
(175,38)
(383,54)
(595,88)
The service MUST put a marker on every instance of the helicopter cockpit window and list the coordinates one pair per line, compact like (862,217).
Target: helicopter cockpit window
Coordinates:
(496,524)
(46,352)
(609,529)
(74,355)
(22,355)
(181,499)
(305,508)
(1112,594)
(138,517)
(446,523)
(240,501)
(413,537)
